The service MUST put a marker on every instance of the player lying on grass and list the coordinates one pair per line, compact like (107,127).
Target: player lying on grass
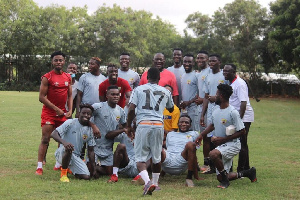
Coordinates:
(181,151)
(227,144)
(72,135)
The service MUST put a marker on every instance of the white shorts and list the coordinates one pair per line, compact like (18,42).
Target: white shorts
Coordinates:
(174,164)
(148,143)
(130,170)
(76,165)
(228,151)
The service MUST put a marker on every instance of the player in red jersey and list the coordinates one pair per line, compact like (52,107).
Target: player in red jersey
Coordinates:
(55,91)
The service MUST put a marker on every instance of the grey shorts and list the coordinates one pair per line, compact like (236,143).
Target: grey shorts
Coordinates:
(148,142)
(104,160)
(228,151)
(195,115)
(174,164)
(130,170)
(77,165)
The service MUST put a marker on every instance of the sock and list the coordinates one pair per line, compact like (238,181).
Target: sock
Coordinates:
(224,175)
(155,177)
(190,174)
(206,161)
(115,170)
(145,176)
(63,172)
(40,165)
(57,165)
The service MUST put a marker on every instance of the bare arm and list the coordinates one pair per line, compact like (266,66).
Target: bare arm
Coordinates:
(243,108)
(112,134)
(69,102)
(91,155)
(221,140)
(68,146)
(78,102)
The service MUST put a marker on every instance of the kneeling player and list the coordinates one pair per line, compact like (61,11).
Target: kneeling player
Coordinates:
(72,135)
(227,145)
(181,151)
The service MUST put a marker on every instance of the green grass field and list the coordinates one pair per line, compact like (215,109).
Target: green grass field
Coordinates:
(274,143)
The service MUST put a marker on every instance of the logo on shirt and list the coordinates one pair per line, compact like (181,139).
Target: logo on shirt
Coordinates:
(223,121)
(188,81)
(85,136)
(118,118)
(131,80)
(188,136)
(167,117)
(47,122)
(66,83)
(203,77)
(221,81)
(56,84)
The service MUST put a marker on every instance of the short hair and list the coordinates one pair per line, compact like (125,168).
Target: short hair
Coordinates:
(203,52)
(186,115)
(111,65)
(153,73)
(169,87)
(112,87)
(125,54)
(215,55)
(98,60)
(58,53)
(178,49)
(225,90)
(86,105)
(189,55)
(232,65)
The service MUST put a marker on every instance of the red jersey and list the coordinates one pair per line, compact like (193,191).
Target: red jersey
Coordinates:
(58,85)
(166,78)
(123,86)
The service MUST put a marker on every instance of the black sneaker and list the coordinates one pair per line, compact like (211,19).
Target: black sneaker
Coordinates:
(224,184)
(252,174)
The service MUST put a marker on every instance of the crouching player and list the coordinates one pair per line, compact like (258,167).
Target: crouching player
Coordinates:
(181,151)
(227,145)
(72,135)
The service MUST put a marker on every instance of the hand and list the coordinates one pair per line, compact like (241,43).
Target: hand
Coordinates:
(198,140)
(212,99)
(199,100)
(68,114)
(217,141)
(96,131)
(184,104)
(68,147)
(130,132)
(59,112)
(202,122)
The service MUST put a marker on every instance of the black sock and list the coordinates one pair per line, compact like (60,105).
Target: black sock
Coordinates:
(206,161)
(190,174)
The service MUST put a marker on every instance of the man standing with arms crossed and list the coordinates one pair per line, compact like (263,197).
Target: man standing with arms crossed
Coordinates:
(55,90)
(124,72)
(149,100)
(240,101)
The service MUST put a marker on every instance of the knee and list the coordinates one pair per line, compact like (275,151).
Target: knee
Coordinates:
(45,140)
(214,154)
(191,146)
(121,148)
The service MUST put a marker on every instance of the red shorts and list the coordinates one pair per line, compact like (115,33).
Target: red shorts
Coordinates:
(52,120)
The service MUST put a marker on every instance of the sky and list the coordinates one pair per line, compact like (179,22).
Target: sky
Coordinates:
(173,11)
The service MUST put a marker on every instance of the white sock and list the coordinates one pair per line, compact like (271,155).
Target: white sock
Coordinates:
(155,177)
(145,176)
(40,165)
(115,170)
(57,165)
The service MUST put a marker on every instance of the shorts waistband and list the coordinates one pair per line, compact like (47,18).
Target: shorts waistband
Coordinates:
(148,122)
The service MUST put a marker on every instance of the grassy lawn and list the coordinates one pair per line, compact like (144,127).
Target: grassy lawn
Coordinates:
(274,144)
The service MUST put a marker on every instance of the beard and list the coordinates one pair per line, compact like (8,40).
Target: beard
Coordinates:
(218,101)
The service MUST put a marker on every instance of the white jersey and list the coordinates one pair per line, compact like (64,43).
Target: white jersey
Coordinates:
(89,86)
(189,86)
(222,118)
(240,93)
(178,72)
(106,119)
(176,141)
(131,76)
(77,134)
(151,100)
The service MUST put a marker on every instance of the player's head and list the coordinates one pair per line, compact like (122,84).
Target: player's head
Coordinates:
(153,75)
(229,72)
(112,72)
(188,62)
(124,61)
(113,95)
(58,60)
(94,65)
(202,59)
(223,93)
(170,88)
(177,56)
(72,69)
(184,123)
(85,114)
(214,61)
(159,61)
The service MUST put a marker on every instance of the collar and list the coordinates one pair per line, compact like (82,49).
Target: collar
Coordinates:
(234,79)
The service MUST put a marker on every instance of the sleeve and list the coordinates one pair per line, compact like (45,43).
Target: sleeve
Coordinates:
(175,117)
(205,86)
(173,83)
(126,85)
(102,89)
(137,81)
(134,97)
(195,135)
(80,85)
(242,92)
(47,76)
(170,102)
(123,116)
(237,121)
(144,79)
(63,129)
